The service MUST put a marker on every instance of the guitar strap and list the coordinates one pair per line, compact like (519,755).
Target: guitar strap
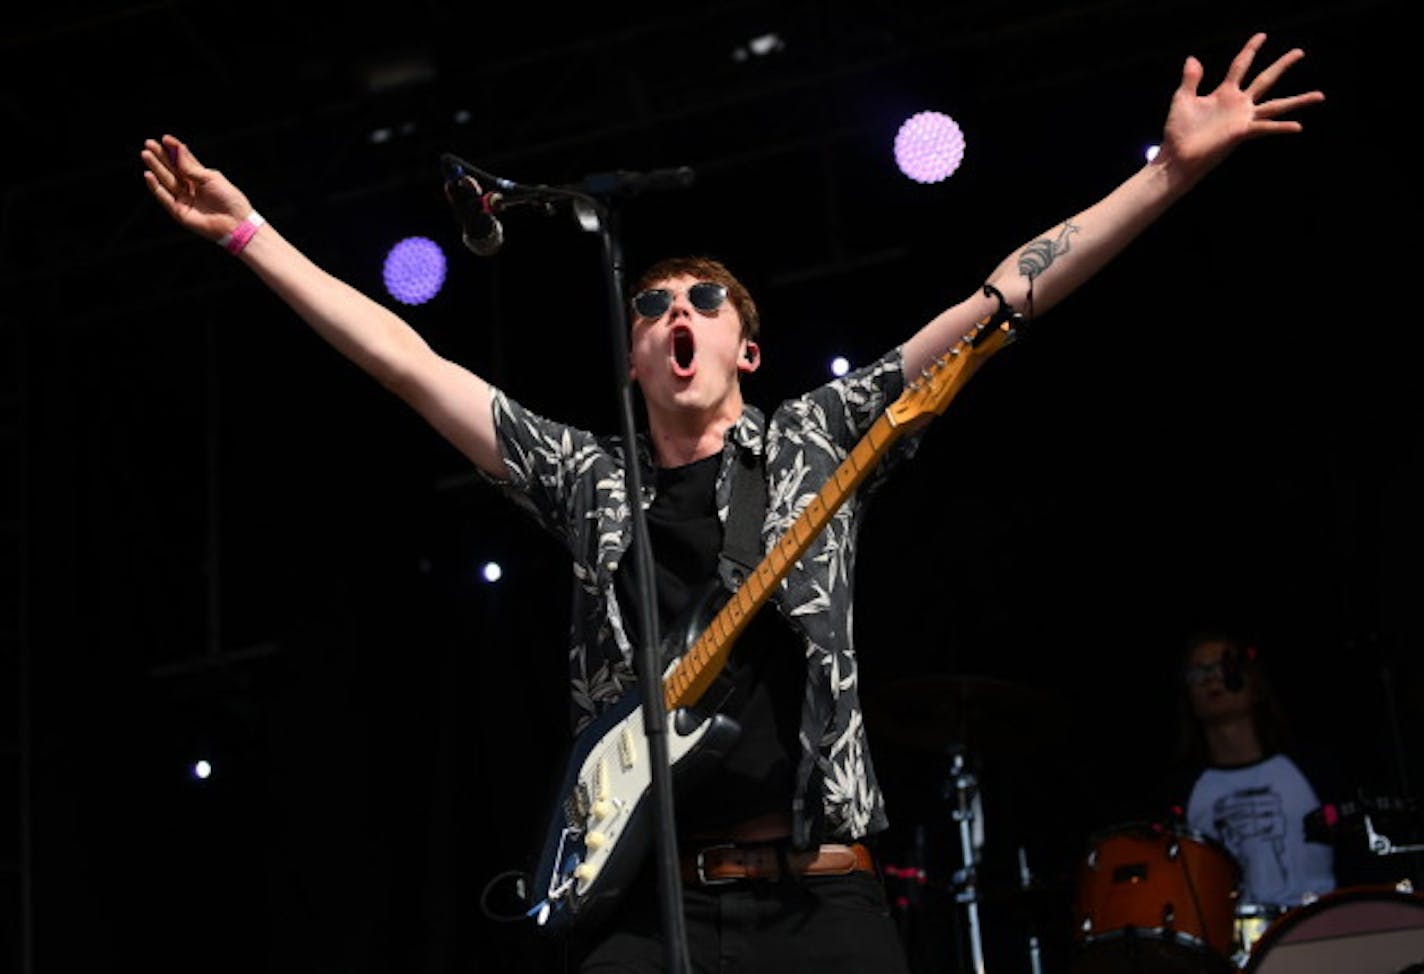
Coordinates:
(741,536)
(741,553)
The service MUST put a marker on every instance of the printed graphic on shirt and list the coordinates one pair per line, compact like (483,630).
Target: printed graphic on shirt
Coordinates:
(1252,824)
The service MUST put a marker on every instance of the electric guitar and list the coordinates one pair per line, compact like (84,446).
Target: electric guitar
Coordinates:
(599,830)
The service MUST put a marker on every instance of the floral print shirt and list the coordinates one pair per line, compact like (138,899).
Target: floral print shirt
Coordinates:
(572,482)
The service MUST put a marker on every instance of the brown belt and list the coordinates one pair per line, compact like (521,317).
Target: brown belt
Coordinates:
(716,864)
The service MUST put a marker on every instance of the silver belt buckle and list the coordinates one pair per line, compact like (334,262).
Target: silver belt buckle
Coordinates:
(702,876)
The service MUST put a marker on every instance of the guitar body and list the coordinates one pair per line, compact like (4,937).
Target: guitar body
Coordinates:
(601,828)
(600,831)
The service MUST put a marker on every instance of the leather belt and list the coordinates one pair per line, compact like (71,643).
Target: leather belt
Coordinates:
(714,865)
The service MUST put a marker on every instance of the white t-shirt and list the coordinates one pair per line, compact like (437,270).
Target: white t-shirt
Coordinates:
(1258,812)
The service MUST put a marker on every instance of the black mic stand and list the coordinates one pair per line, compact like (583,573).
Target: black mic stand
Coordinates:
(597,217)
(590,201)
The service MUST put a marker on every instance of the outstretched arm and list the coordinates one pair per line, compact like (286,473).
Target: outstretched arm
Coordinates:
(452,399)
(1201,130)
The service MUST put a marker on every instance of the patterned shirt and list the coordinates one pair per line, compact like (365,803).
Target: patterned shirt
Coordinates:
(573,484)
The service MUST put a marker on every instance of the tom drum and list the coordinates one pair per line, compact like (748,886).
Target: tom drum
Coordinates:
(1155,898)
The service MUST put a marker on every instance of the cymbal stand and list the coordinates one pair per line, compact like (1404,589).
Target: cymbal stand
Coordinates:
(1035,958)
(968,812)
(1381,844)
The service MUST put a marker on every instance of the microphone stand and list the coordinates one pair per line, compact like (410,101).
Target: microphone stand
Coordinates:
(595,215)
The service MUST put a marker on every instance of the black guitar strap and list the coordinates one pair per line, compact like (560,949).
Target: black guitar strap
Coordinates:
(741,537)
(741,553)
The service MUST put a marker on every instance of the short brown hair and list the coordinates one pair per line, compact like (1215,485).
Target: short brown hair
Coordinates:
(705,269)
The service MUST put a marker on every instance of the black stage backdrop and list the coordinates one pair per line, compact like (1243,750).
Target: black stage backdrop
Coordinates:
(225,541)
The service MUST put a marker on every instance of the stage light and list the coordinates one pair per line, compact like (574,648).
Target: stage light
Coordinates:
(840,365)
(202,770)
(491,572)
(415,270)
(929,147)
(1152,151)
(763,45)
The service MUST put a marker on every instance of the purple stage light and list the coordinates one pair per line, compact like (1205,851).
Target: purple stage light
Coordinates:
(929,147)
(415,270)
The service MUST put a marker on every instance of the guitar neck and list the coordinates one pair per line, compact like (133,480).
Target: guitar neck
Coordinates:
(925,398)
(699,666)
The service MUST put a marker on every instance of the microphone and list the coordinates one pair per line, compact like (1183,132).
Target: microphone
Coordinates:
(480,229)
(1233,667)
(1231,677)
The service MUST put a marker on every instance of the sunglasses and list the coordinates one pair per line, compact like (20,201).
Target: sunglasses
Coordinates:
(705,296)
(1197,674)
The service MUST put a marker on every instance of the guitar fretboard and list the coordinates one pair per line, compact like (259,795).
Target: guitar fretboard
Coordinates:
(697,667)
(927,396)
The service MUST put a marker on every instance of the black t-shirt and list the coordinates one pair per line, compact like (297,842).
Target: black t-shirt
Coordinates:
(767,662)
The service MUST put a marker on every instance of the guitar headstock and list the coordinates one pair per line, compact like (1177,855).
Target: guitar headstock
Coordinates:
(929,393)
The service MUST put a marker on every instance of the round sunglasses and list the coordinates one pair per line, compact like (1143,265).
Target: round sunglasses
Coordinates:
(706,297)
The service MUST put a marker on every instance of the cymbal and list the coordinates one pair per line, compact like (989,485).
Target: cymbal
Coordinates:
(978,713)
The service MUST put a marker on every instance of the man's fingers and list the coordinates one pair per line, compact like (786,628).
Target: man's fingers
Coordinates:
(182,159)
(1280,106)
(1241,63)
(1191,76)
(1271,74)
(158,169)
(155,156)
(161,193)
(1274,128)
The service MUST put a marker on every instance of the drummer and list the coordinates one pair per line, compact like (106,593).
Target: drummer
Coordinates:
(1243,782)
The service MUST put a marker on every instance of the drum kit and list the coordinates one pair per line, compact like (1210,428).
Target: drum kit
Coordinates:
(1145,897)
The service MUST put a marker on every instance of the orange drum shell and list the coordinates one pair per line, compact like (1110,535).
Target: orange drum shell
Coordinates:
(1144,878)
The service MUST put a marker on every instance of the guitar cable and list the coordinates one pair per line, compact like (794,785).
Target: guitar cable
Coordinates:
(521,893)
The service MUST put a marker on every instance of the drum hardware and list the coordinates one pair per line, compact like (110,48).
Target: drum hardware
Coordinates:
(1026,883)
(968,811)
(1367,815)
(1252,921)
(983,718)
(1381,845)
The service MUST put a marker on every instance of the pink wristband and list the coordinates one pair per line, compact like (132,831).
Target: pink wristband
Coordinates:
(234,242)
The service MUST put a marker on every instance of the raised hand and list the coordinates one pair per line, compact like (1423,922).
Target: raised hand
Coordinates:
(1202,129)
(200,199)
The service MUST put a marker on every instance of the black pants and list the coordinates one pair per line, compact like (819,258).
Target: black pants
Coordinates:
(812,923)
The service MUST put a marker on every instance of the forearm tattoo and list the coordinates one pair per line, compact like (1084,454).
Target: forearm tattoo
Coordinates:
(1035,258)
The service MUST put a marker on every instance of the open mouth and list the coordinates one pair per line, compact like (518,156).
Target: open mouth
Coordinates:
(684,351)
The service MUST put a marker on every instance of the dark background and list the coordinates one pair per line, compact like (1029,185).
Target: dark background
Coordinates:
(222,540)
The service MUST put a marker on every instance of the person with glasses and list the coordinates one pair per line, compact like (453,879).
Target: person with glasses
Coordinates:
(1247,789)
(779,873)
(1285,802)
